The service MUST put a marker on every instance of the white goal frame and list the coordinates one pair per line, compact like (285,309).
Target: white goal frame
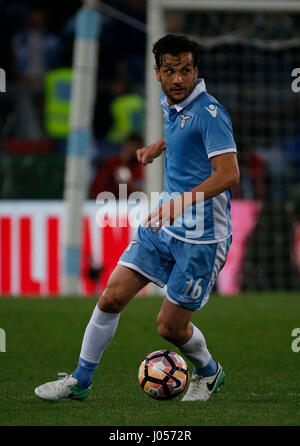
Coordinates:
(155,13)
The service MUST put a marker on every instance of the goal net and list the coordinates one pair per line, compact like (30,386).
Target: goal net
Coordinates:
(248,58)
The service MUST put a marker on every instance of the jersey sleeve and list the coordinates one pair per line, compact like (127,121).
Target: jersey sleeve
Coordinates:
(216,130)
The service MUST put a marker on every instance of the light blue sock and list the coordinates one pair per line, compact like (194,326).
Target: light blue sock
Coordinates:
(209,370)
(84,373)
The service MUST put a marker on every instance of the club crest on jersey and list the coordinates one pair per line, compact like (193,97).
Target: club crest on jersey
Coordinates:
(133,242)
(184,118)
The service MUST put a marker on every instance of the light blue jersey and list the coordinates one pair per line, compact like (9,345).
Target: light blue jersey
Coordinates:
(196,130)
(189,258)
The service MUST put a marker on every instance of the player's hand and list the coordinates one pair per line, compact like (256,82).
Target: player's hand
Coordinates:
(147,154)
(143,157)
(166,212)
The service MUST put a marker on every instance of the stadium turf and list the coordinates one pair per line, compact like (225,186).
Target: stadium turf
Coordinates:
(250,335)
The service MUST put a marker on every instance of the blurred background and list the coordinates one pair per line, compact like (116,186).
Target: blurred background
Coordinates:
(247,63)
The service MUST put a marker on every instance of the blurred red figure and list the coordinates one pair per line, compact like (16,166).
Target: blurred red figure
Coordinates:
(121,169)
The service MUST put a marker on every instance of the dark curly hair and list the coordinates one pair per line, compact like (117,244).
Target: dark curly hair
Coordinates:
(175,44)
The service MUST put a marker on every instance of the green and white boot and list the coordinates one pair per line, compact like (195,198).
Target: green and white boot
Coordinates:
(202,387)
(64,387)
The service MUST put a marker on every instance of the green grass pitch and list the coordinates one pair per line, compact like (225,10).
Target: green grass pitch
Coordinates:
(250,335)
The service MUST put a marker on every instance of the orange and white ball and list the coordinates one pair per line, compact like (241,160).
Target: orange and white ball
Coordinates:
(163,374)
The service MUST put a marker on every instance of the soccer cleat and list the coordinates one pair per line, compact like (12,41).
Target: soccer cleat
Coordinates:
(202,387)
(64,387)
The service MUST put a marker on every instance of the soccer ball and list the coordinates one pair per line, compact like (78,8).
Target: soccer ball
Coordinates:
(163,375)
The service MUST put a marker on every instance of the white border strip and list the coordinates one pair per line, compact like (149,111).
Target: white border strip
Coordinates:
(139,270)
(172,300)
(195,242)
(221,151)
(220,259)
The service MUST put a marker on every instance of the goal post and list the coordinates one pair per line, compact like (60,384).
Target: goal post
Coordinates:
(228,5)
(85,61)
(154,129)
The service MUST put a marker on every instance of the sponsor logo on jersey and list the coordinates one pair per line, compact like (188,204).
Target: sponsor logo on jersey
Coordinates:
(133,242)
(212,109)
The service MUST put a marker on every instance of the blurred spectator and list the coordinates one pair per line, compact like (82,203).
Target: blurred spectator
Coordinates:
(270,172)
(35,51)
(127,112)
(57,102)
(120,169)
(257,170)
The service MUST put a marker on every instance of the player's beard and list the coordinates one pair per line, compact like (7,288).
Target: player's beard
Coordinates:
(176,99)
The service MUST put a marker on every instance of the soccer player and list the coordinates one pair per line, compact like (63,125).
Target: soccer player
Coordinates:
(186,238)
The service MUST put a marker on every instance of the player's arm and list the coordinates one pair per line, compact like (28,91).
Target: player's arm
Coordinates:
(147,154)
(226,176)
